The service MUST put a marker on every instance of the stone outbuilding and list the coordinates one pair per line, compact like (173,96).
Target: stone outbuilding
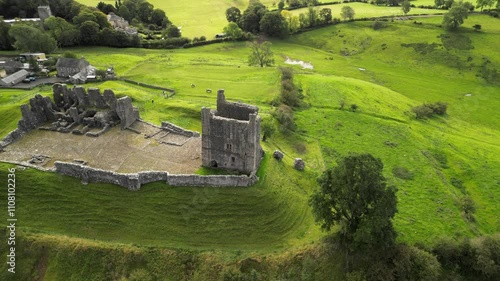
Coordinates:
(67,67)
(117,21)
(15,78)
(12,66)
(231,136)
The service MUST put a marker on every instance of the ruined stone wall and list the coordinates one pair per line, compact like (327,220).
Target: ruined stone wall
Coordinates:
(234,110)
(93,175)
(134,181)
(178,130)
(70,105)
(212,181)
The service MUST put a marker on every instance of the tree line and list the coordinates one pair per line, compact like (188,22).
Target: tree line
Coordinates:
(280,23)
(74,24)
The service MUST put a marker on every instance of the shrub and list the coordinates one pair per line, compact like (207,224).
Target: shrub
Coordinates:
(427,110)
(457,183)
(438,108)
(488,257)
(289,93)
(478,259)
(341,104)
(379,25)
(440,157)
(412,263)
(284,115)
(268,127)
(140,275)
(402,173)
(354,107)
(286,73)
(422,112)
(70,55)
(468,208)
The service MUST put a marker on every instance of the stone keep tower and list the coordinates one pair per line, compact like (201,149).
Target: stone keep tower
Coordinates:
(231,136)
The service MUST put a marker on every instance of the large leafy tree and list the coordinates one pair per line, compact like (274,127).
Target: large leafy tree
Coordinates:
(32,39)
(250,20)
(106,8)
(274,24)
(65,33)
(158,16)
(439,3)
(144,11)
(456,15)
(233,14)
(347,12)
(232,30)
(172,31)
(405,6)
(484,3)
(261,54)
(291,20)
(325,15)
(5,38)
(89,33)
(354,195)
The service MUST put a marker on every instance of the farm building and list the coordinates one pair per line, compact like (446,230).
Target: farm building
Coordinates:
(12,66)
(81,77)
(68,67)
(15,78)
(40,57)
(116,21)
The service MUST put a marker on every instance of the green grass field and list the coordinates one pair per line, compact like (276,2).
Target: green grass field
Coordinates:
(207,18)
(196,18)
(384,72)
(363,10)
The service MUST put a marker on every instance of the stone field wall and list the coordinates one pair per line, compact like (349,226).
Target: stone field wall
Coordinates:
(135,180)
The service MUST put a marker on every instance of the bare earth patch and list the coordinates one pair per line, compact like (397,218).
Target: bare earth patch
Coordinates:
(144,148)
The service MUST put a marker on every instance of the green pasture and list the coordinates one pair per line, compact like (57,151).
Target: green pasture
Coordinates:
(364,10)
(352,62)
(196,18)
(207,18)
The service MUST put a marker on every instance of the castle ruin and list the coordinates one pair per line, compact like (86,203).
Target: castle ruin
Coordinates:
(231,136)
(95,149)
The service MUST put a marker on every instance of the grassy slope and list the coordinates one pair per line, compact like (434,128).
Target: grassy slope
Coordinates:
(256,218)
(209,16)
(276,209)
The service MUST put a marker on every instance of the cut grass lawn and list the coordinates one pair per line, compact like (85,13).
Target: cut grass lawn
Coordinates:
(274,215)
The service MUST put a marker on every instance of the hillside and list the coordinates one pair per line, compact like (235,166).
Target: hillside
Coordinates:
(195,18)
(384,72)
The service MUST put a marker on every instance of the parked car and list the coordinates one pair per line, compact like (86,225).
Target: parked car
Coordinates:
(26,80)
(32,78)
